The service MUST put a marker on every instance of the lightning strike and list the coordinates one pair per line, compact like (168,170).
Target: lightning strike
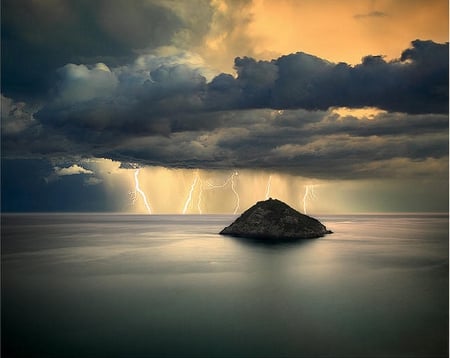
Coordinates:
(309,194)
(230,181)
(189,198)
(199,204)
(138,190)
(235,193)
(268,187)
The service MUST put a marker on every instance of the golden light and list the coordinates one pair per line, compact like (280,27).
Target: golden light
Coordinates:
(359,113)
(338,31)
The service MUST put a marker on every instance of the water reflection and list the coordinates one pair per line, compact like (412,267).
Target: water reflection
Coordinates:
(122,285)
(278,244)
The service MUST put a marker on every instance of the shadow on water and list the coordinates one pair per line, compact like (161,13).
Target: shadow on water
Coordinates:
(271,243)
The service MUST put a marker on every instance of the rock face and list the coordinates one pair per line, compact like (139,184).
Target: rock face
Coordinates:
(274,220)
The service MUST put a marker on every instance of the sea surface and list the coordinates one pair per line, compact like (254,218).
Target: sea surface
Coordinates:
(107,285)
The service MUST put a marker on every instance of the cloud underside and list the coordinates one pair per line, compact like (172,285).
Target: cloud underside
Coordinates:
(165,108)
(322,144)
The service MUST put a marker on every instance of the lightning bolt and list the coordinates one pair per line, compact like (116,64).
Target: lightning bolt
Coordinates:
(268,187)
(199,204)
(138,190)
(235,192)
(189,198)
(197,181)
(309,194)
(230,180)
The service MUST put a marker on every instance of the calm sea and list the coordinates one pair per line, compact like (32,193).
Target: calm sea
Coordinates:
(105,285)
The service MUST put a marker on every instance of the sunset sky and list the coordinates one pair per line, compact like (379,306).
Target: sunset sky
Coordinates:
(209,106)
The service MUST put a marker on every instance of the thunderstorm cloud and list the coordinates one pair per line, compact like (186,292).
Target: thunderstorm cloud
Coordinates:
(134,84)
(162,110)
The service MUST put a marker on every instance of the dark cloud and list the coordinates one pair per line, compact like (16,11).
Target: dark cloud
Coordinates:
(156,98)
(310,143)
(416,83)
(162,110)
(256,80)
(40,36)
(317,144)
(92,103)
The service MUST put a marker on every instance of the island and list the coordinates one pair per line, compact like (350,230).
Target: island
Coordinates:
(272,219)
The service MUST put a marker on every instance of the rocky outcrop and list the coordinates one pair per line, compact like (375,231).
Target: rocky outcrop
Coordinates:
(274,220)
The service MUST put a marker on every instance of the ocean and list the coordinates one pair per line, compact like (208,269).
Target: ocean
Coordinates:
(115,285)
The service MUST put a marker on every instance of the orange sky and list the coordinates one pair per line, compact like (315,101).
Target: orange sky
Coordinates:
(344,30)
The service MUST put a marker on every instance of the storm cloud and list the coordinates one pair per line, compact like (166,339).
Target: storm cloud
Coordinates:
(134,90)
(137,83)
(40,36)
(154,94)
(415,83)
(161,109)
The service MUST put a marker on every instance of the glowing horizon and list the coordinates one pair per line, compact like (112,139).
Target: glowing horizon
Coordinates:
(172,191)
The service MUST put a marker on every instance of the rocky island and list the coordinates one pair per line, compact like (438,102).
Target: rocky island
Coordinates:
(274,220)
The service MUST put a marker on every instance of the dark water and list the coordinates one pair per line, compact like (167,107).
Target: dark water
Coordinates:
(89,285)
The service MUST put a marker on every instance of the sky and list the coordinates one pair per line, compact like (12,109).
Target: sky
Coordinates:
(197,107)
